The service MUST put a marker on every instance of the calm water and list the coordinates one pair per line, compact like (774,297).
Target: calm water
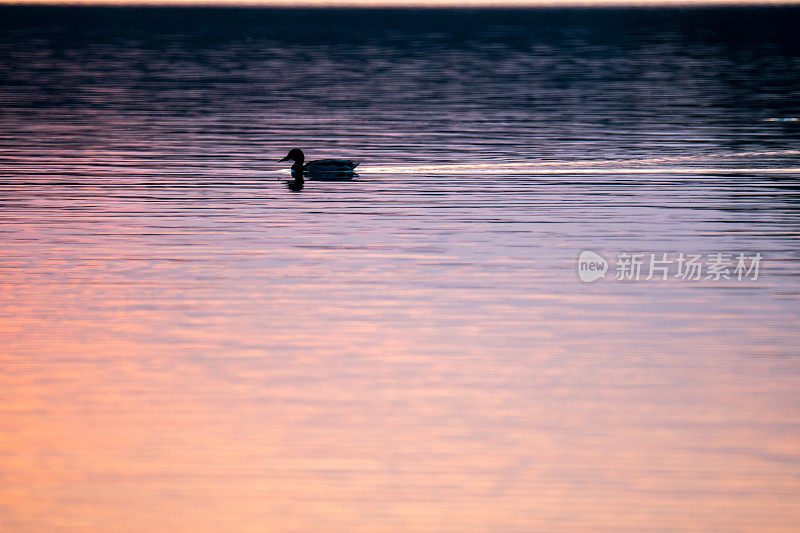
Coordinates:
(188,345)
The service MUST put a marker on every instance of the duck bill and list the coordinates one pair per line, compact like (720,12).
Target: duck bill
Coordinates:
(284,159)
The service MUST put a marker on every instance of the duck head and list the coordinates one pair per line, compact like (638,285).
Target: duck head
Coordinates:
(296,155)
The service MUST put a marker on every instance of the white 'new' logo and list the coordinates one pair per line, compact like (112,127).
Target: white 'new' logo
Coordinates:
(591,266)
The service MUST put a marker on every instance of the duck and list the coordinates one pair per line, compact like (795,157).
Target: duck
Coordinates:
(320,166)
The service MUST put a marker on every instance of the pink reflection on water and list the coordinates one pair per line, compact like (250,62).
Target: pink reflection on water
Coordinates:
(296,405)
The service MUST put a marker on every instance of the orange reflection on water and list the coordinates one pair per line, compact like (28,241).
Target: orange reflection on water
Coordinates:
(240,419)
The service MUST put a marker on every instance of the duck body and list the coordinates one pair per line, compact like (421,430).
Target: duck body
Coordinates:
(330,165)
(321,168)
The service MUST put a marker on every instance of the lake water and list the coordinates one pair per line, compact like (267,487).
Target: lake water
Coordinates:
(189,345)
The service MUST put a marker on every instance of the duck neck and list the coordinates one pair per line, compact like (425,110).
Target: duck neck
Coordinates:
(298,161)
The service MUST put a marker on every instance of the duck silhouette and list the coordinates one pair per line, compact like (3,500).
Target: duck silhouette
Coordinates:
(320,168)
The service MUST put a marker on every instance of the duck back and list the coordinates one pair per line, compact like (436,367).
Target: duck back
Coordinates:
(330,165)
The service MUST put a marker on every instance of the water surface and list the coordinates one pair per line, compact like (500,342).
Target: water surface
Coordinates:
(190,345)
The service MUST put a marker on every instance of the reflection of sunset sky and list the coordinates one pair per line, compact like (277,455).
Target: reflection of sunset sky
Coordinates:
(181,372)
(189,346)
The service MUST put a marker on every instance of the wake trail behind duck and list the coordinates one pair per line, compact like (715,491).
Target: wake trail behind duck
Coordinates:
(736,162)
